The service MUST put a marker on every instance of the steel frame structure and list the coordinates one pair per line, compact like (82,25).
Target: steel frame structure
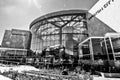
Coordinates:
(58,25)
(90,43)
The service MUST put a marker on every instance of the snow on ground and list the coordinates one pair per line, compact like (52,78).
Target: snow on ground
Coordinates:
(102,78)
(4,78)
(20,68)
(24,68)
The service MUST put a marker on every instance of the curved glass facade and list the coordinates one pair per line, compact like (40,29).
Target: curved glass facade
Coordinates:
(63,29)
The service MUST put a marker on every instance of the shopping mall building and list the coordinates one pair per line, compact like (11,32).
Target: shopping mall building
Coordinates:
(65,28)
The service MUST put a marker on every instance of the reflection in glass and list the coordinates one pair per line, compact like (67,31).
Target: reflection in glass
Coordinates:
(66,30)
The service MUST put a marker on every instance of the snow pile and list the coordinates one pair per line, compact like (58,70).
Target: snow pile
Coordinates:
(19,69)
(4,78)
(4,69)
(23,68)
(102,77)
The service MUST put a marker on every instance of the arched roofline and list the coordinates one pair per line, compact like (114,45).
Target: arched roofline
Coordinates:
(55,14)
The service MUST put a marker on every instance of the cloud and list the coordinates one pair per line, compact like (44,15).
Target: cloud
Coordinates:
(8,9)
(7,2)
(19,7)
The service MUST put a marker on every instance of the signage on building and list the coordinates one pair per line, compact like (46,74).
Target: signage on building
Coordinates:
(108,12)
(14,39)
(105,5)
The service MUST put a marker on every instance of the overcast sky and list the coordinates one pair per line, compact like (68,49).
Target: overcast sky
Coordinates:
(18,14)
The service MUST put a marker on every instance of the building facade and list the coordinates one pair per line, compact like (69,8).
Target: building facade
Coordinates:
(15,42)
(65,28)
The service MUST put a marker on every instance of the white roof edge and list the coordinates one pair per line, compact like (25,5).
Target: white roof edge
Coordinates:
(95,37)
(3,48)
(112,34)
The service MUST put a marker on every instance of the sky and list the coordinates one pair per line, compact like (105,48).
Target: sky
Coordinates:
(18,14)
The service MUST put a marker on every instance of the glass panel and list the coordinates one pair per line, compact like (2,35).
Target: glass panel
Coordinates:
(67,29)
(86,51)
(63,37)
(78,37)
(52,37)
(56,37)
(81,24)
(43,32)
(97,50)
(63,42)
(48,29)
(116,46)
(109,49)
(104,51)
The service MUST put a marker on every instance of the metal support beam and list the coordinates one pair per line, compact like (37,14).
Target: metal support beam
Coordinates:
(112,48)
(106,49)
(91,49)
(60,36)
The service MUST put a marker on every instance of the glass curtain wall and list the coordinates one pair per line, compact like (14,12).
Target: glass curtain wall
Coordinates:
(112,46)
(65,30)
